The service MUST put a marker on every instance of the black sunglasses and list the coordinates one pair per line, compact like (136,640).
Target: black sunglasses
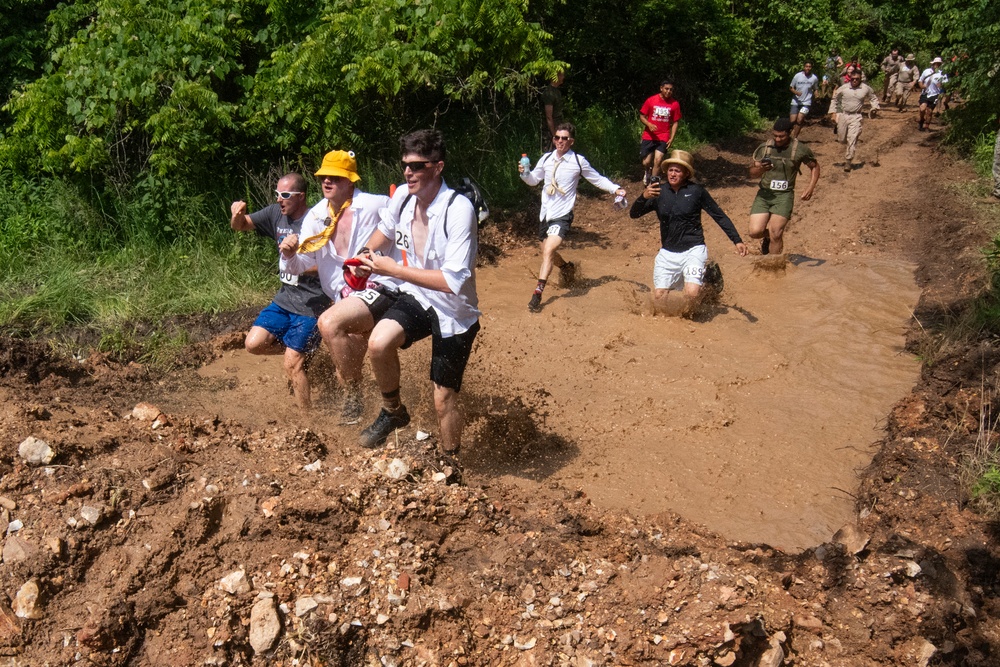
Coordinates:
(559,138)
(417,166)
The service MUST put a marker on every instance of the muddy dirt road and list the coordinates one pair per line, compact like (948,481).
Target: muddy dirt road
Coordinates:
(636,490)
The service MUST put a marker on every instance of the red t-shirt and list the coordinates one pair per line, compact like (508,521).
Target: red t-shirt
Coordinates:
(661,113)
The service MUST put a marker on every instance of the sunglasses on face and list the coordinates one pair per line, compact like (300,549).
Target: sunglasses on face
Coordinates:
(282,194)
(416,166)
(561,138)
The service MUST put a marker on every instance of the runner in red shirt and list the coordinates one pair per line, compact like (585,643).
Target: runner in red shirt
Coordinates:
(660,115)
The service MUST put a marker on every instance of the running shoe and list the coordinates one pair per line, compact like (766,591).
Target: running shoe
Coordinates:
(535,304)
(765,243)
(383,426)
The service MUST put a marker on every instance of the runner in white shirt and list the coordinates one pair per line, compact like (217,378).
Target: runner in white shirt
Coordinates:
(803,86)
(435,231)
(560,170)
(932,82)
(334,230)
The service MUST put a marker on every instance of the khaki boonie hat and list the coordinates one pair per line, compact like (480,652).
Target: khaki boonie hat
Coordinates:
(682,159)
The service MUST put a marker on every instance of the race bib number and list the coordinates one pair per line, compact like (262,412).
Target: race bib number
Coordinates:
(779,185)
(289,278)
(553,230)
(369,296)
(402,241)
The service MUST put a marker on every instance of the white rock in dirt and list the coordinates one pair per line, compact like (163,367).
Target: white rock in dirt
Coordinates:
(36,452)
(90,514)
(397,469)
(315,466)
(265,626)
(925,651)
(15,550)
(913,569)
(26,601)
(13,526)
(145,412)
(852,538)
(526,646)
(422,435)
(304,605)
(772,657)
(347,582)
(235,583)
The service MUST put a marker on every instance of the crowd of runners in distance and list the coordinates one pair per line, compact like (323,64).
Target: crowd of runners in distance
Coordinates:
(371,274)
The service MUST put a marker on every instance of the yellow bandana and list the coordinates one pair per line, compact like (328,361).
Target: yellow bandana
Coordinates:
(314,243)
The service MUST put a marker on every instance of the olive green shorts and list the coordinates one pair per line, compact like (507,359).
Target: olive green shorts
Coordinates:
(775,203)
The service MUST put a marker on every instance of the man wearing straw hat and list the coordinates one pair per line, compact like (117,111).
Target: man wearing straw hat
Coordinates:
(906,78)
(333,232)
(287,326)
(776,163)
(679,269)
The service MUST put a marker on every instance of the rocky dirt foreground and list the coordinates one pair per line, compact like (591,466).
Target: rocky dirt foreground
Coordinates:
(132,537)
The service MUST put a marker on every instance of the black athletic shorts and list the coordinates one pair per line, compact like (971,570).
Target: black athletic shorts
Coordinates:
(647,146)
(555,227)
(378,299)
(449,356)
(929,100)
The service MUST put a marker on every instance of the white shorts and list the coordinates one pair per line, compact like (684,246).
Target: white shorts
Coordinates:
(672,269)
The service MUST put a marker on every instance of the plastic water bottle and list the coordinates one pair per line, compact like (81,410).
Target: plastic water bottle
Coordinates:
(525,162)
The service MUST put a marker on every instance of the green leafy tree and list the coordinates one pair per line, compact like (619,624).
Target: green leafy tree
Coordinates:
(969,31)
(135,88)
(383,65)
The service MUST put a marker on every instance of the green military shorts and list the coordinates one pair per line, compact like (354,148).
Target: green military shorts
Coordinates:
(775,203)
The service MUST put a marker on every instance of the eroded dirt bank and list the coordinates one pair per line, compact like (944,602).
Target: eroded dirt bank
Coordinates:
(133,531)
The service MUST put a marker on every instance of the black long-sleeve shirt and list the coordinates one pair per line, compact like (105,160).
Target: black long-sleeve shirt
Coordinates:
(680,216)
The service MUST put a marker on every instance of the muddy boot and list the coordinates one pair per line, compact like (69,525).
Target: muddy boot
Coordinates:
(765,244)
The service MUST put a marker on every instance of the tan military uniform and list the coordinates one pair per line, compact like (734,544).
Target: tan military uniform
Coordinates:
(905,80)
(891,67)
(848,103)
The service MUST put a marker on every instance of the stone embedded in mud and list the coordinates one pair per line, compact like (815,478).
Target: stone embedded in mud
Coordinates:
(7,504)
(852,539)
(16,550)
(145,412)
(265,625)
(395,469)
(91,514)
(304,605)
(36,452)
(808,622)
(235,583)
(26,603)
(772,657)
